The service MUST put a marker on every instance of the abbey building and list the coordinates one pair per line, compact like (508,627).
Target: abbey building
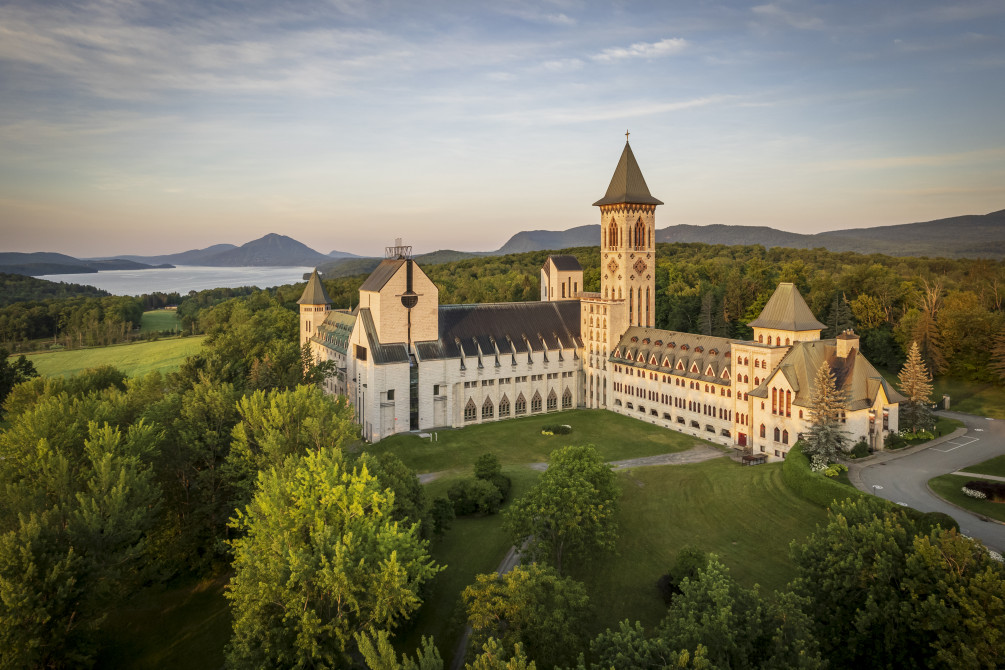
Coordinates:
(408,363)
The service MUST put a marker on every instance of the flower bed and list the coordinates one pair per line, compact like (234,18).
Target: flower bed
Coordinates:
(983,489)
(563,429)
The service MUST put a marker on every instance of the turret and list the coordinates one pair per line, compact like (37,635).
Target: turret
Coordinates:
(314,306)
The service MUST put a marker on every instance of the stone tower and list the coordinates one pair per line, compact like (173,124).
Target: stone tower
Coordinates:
(627,244)
(314,307)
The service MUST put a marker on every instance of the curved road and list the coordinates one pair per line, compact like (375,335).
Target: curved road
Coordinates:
(904,478)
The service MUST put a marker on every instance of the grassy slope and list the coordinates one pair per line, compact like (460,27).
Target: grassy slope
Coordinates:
(519,441)
(948,487)
(186,626)
(978,398)
(994,466)
(746,515)
(159,319)
(134,359)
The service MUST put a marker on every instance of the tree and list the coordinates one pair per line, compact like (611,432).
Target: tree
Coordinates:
(629,648)
(410,502)
(916,385)
(319,560)
(998,357)
(825,440)
(315,371)
(572,509)
(12,374)
(493,657)
(530,605)
(380,655)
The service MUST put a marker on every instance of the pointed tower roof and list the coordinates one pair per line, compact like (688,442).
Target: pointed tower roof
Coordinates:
(314,293)
(786,310)
(627,184)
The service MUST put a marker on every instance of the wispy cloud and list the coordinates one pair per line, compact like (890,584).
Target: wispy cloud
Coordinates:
(794,19)
(583,114)
(665,47)
(929,160)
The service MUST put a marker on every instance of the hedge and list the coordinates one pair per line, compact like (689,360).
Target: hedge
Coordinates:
(813,486)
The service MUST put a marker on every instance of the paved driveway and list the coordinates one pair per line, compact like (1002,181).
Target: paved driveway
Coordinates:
(904,478)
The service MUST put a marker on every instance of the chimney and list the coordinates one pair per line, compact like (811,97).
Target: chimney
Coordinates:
(845,342)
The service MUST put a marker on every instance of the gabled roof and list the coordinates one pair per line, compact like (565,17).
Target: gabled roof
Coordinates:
(682,350)
(382,274)
(786,310)
(853,374)
(314,292)
(383,354)
(511,327)
(565,263)
(628,185)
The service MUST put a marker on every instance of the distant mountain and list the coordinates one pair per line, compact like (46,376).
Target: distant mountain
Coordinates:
(47,263)
(191,257)
(347,267)
(271,250)
(971,236)
(342,254)
(537,240)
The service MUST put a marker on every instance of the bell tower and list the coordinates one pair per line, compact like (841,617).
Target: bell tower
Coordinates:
(627,244)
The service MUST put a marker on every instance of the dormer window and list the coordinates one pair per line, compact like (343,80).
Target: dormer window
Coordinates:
(684,347)
(698,350)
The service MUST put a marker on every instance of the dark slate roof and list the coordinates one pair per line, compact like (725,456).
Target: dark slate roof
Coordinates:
(336,330)
(853,374)
(566,263)
(382,274)
(382,354)
(511,328)
(628,185)
(672,347)
(314,292)
(786,310)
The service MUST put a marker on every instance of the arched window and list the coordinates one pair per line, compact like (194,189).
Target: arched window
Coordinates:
(762,430)
(470,411)
(757,363)
(640,234)
(746,361)
(631,305)
(552,401)
(778,435)
(535,402)
(757,382)
(785,437)
(521,405)
(612,234)
(504,406)
(788,403)
(786,341)
(760,338)
(488,411)
(567,399)
(774,400)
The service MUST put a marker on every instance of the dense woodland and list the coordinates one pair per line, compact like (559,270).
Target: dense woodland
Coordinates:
(111,485)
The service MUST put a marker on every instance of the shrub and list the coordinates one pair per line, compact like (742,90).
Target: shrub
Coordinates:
(860,450)
(563,429)
(474,496)
(993,491)
(812,486)
(503,483)
(487,466)
(927,521)
(442,513)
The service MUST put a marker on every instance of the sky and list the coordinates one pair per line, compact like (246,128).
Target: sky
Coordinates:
(155,127)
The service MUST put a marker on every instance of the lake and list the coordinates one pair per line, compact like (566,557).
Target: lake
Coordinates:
(184,278)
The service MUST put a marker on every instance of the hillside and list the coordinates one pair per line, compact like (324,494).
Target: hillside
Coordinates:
(347,267)
(190,257)
(22,288)
(47,263)
(971,236)
(271,250)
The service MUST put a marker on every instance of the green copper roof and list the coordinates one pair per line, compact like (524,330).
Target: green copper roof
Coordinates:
(628,185)
(786,310)
(314,293)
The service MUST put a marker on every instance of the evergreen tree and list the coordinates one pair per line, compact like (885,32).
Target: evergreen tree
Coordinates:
(998,357)
(825,440)
(840,318)
(12,373)
(916,385)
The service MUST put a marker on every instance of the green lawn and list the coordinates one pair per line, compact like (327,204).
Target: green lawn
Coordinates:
(160,319)
(746,515)
(948,487)
(519,441)
(135,359)
(184,626)
(994,466)
(980,398)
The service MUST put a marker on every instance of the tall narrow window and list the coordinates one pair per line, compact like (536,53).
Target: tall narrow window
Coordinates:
(788,403)
(552,401)
(535,402)
(778,435)
(504,406)
(762,430)
(631,304)
(648,322)
(470,411)
(521,405)
(774,400)
(640,234)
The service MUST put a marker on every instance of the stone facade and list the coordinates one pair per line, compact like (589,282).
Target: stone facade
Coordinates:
(408,363)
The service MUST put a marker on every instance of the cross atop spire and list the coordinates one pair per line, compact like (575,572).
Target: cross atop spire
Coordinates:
(626,135)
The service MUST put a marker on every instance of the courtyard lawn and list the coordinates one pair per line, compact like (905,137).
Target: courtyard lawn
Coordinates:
(519,441)
(183,626)
(160,319)
(745,515)
(948,488)
(135,359)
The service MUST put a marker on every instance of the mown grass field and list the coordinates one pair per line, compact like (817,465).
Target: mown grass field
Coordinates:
(993,466)
(948,488)
(158,320)
(135,359)
(519,441)
(978,398)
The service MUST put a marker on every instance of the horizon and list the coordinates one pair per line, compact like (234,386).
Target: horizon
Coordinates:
(139,130)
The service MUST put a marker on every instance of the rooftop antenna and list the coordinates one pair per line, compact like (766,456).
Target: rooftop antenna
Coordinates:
(399,251)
